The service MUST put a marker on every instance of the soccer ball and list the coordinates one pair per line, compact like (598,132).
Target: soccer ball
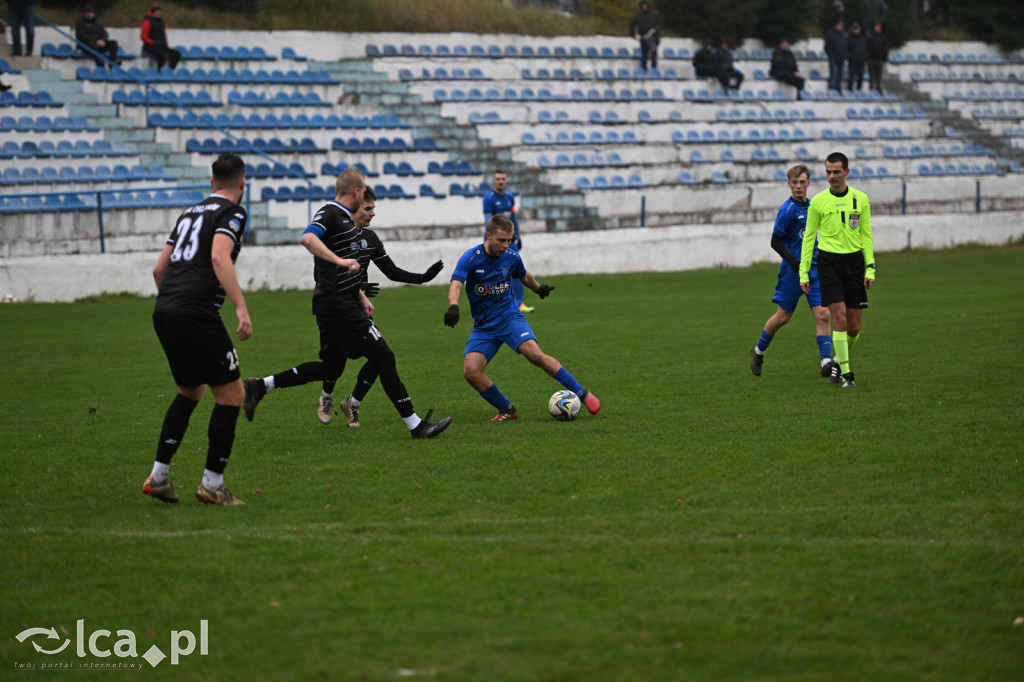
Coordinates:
(564,405)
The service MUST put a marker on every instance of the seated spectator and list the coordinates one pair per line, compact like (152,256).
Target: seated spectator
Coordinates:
(154,39)
(89,30)
(784,69)
(705,64)
(723,58)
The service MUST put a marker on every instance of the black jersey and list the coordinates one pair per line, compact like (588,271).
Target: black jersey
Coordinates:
(371,249)
(190,285)
(335,288)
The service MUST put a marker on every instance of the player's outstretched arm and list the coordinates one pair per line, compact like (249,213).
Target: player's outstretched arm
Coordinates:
(530,282)
(316,247)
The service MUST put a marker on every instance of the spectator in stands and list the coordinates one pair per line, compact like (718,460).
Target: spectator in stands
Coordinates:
(878,55)
(646,27)
(723,58)
(784,69)
(89,30)
(834,11)
(872,12)
(704,65)
(857,51)
(154,39)
(835,48)
(23,15)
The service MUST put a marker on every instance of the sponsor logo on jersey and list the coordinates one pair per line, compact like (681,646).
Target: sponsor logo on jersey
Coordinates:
(499,289)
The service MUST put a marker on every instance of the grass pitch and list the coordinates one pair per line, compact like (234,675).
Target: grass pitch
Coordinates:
(705,525)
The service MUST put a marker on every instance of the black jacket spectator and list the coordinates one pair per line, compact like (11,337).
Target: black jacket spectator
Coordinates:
(89,30)
(783,67)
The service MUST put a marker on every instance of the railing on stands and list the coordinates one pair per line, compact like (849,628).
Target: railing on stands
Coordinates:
(99,200)
(206,118)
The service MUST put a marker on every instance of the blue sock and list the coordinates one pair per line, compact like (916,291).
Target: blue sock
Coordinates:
(766,338)
(563,377)
(495,397)
(824,346)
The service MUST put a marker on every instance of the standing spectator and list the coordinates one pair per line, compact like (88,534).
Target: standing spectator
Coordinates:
(784,69)
(834,11)
(723,59)
(836,49)
(154,39)
(23,15)
(194,274)
(872,12)
(646,27)
(89,30)
(878,55)
(857,49)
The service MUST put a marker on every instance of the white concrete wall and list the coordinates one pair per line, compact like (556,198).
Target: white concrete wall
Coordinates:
(665,249)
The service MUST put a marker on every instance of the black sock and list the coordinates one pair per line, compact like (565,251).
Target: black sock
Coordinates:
(222,436)
(175,425)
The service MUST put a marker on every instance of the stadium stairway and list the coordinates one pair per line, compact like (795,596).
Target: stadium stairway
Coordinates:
(943,119)
(548,207)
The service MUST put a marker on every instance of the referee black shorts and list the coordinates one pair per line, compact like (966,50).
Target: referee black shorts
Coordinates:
(842,278)
(198,349)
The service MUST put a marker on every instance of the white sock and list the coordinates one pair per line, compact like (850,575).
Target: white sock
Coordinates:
(211,480)
(325,394)
(825,361)
(412,422)
(758,350)
(160,470)
(351,400)
(268,383)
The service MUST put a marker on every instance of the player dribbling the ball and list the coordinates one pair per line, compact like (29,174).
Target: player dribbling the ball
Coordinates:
(487,271)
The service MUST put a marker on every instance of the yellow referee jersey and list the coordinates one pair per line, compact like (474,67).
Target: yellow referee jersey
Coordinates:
(842,224)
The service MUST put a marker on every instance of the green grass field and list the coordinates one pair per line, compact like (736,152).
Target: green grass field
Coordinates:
(705,525)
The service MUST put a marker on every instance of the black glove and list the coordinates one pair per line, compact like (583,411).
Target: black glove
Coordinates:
(431,272)
(544,290)
(371,289)
(451,316)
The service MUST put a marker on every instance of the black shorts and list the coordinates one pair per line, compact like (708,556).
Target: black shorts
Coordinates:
(842,278)
(348,332)
(198,349)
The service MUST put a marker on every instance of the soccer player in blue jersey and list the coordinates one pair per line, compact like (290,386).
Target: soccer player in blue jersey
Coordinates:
(500,202)
(487,272)
(787,240)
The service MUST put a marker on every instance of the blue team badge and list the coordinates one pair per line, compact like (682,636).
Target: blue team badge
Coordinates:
(363,244)
(854,221)
(235,224)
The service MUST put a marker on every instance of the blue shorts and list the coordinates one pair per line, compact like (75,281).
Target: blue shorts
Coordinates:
(512,333)
(788,291)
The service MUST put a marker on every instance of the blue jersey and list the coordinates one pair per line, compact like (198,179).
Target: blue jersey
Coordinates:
(500,204)
(790,223)
(488,283)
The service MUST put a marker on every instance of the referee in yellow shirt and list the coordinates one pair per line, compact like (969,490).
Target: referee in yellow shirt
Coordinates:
(840,218)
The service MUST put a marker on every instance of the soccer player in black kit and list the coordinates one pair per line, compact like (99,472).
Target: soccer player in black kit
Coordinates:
(343,311)
(194,274)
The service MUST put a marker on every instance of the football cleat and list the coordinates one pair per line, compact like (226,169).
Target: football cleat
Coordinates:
(351,411)
(255,389)
(826,369)
(836,377)
(590,401)
(162,490)
(523,308)
(848,380)
(508,414)
(324,409)
(429,429)
(756,361)
(219,496)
